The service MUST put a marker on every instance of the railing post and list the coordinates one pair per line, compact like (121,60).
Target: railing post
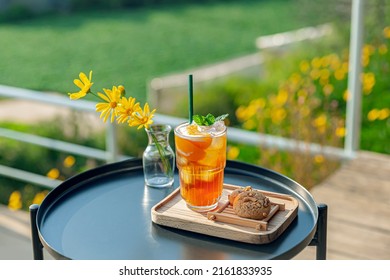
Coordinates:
(353,117)
(111,143)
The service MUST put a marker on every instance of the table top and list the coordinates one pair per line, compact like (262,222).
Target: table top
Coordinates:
(105,213)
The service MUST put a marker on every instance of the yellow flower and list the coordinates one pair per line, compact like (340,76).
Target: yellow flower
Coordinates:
(384,113)
(108,108)
(339,74)
(328,89)
(373,115)
(122,90)
(346,95)
(386,32)
(53,173)
(334,61)
(127,108)
(320,121)
(241,113)
(304,66)
(316,62)
(15,201)
(278,115)
(282,97)
(38,198)
(259,103)
(233,153)
(368,82)
(142,118)
(340,132)
(249,124)
(378,114)
(84,83)
(315,74)
(319,159)
(69,161)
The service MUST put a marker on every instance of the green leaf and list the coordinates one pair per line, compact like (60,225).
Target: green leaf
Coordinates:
(197,119)
(208,120)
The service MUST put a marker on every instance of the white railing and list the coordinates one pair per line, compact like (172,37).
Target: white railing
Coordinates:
(110,154)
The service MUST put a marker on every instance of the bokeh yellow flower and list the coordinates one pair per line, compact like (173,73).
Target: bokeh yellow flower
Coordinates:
(339,74)
(316,62)
(38,198)
(233,152)
(69,161)
(112,98)
(319,159)
(384,113)
(53,173)
(378,114)
(249,124)
(334,61)
(282,97)
(15,201)
(278,115)
(368,80)
(386,32)
(142,118)
(340,132)
(320,121)
(84,83)
(304,66)
(328,89)
(241,113)
(346,95)
(315,74)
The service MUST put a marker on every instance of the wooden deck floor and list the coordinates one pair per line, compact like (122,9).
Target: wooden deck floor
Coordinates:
(358,197)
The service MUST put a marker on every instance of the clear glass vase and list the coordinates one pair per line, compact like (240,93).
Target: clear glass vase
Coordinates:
(158,157)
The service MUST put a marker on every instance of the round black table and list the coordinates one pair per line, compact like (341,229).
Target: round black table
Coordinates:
(104,213)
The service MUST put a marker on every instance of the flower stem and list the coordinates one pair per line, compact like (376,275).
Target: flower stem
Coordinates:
(165,160)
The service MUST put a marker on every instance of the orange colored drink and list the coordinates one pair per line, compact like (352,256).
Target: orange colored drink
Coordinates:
(201,159)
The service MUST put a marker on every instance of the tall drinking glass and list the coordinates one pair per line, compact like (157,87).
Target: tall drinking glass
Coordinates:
(201,159)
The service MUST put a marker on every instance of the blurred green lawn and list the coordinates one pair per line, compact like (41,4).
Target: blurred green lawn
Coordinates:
(131,47)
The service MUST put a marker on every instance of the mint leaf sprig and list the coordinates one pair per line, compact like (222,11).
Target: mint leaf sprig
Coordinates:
(209,119)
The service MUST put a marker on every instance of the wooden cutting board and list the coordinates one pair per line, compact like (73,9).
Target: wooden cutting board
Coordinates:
(222,222)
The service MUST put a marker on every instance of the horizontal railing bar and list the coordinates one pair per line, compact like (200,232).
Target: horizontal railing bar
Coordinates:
(286,144)
(28,177)
(234,134)
(53,144)
(58,100)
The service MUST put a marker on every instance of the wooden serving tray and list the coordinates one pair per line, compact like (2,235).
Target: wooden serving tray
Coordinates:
(222,222)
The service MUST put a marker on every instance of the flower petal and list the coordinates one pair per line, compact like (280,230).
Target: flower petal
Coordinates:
(78,83)
(104,97)
(76,95)
(83,78)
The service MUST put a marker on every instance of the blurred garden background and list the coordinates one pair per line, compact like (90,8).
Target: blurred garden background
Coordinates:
(300,91)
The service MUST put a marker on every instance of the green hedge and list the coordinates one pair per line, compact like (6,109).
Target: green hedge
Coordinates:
(20,10)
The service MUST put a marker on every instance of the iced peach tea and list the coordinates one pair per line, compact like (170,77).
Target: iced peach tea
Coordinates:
(201,159)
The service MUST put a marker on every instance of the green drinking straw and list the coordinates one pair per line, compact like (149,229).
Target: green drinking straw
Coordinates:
(190,98)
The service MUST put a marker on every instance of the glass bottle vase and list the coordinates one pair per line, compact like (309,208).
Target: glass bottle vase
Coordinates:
(158,158)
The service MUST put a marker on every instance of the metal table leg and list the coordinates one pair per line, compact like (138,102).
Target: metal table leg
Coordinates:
(320,237)
(36,243)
